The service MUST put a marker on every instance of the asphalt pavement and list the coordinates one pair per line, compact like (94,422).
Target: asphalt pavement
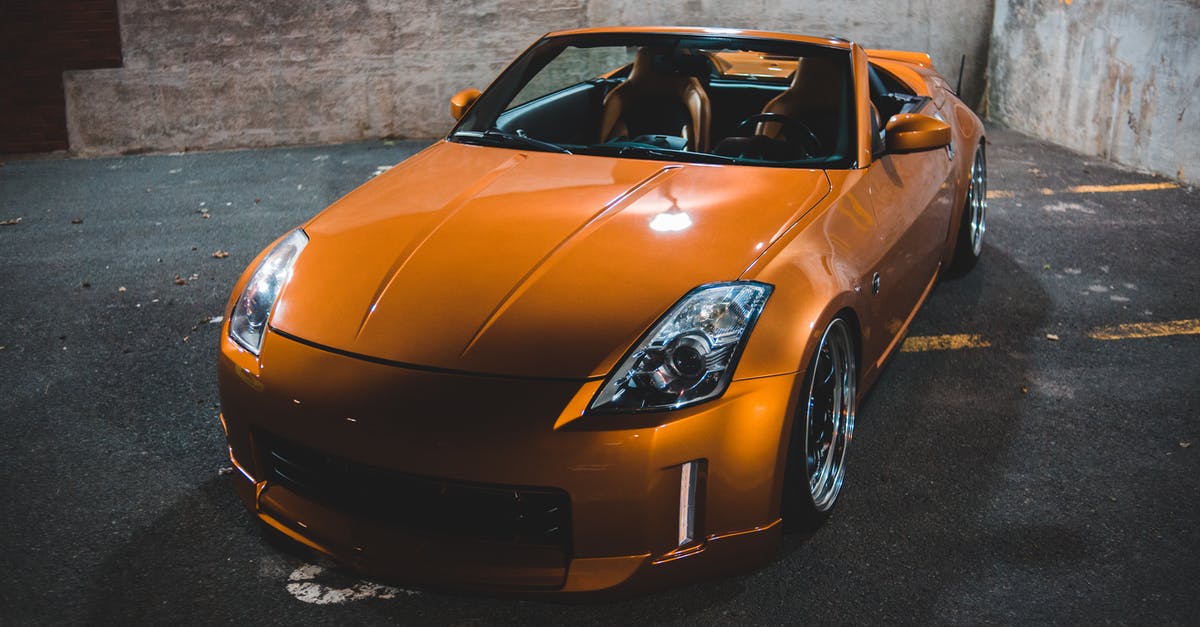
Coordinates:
(1034,456)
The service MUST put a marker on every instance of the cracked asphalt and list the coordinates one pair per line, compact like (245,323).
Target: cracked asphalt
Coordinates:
(1032,474)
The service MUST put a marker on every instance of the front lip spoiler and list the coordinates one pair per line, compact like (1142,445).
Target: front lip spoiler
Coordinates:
(586,578)
(424,368)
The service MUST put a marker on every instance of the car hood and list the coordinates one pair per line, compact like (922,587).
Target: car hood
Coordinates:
(516,263)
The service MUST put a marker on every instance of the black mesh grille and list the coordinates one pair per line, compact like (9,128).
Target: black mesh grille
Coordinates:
(428,506)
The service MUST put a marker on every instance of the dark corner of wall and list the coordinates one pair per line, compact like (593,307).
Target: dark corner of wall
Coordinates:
(39,40)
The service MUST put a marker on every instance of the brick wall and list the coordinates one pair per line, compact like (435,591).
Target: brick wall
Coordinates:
(39,39)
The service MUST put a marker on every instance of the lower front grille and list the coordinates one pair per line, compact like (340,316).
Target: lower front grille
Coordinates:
(423,505)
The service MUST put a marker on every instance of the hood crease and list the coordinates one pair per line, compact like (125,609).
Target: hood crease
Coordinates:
(410,251)
(611,208)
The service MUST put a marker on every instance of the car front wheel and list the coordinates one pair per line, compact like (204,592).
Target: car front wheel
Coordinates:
(821,431)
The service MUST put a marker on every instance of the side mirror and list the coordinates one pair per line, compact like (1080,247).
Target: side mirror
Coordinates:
(463,101)
(911,132)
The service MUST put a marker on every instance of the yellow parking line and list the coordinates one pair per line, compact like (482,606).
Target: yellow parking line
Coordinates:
(921,343)
(1087,189)
(1134,187)
(1146,329)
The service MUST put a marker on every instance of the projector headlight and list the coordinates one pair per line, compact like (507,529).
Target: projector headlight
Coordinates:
(689,356)
(248,322)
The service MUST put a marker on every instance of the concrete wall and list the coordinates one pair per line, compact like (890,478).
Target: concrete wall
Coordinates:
(202,74)
(1114,78)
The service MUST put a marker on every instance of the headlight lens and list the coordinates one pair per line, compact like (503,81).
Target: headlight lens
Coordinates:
(248,321)
(689,356)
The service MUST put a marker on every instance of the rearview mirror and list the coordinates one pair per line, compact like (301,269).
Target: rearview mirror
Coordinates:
(463,101)
(911,132)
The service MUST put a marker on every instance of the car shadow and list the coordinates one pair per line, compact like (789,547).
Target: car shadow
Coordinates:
(933,442)
(206,560)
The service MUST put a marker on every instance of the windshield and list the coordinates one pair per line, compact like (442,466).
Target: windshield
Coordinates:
(673,97)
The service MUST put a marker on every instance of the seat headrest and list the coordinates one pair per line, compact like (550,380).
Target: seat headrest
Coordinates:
(661,62)
(817,82)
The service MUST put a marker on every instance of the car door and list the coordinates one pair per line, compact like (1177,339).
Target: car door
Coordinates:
(911,195)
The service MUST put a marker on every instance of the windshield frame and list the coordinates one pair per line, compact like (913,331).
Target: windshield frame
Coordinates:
(486,111)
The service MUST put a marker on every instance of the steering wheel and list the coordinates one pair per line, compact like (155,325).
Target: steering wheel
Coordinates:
(794,130)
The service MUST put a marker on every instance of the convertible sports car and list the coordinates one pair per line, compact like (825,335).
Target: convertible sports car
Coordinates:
(610,333)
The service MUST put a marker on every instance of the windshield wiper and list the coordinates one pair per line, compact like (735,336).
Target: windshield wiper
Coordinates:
(507,138)
(665,154)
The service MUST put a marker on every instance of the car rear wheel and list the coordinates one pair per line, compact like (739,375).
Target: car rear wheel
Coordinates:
(974,218)
(821,431)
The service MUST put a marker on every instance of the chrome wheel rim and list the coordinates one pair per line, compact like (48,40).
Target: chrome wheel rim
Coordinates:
(829,415)
(977,203)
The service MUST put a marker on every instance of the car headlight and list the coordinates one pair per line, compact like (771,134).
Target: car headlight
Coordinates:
(688,357)
(248,322)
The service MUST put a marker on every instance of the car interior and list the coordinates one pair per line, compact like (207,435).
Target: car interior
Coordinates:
(755,107)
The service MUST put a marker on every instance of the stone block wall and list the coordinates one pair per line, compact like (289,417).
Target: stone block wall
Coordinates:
(208,74)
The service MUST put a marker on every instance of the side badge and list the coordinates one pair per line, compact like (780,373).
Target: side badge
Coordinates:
(875,283)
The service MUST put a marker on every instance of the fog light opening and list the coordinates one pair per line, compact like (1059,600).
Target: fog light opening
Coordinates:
(689,477)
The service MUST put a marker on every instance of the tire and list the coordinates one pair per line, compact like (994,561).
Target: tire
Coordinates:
(821,431)
(973,223)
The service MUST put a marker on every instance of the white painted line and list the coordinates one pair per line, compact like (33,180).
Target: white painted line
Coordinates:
(304,585)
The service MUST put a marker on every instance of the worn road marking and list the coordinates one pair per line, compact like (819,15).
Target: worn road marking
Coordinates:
(1064,207)
(1146,329)
(921,343)
(1088,189)
(303,585)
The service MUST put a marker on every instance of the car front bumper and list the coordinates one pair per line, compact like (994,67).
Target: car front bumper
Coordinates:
(446,479)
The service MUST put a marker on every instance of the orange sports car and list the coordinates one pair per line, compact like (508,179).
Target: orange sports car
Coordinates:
(610,333)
